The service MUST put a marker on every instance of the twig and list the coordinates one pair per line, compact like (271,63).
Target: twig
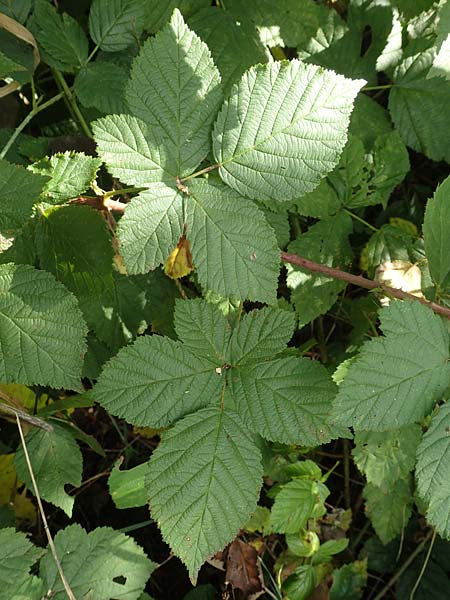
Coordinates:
(23,416)
(362,282)
(424,567)
(65,583)
(73,103)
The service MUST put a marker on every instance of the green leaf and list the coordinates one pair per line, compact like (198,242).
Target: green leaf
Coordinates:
(433,460)
(234,46)
(327,243)
(42,330)
(158,13)
(202,592)
(204,481)
(32,588)
(389,507)
(396,379)
(156,381)
(17,555)
(321,203)
(385,457)
(19,191)
(127,487)
(16,58)
(349,581)
(436,233)
(287,400)
(282,153)
(434,583)
(56,461)
(101,85)
(329,549)
(16,9)
(369,120)
(233,248)
(102,563)
(419,106)
(300,585)
(70,174)
(116,25)
(294,505)
(63,41)
(175,89)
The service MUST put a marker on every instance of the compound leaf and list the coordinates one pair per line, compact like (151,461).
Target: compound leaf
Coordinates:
(204,481)
(41,328)
(155,381)
(56,461)
(436,233)
(433,461)
(233,248)
(397,378)
(282,151)
(115,25)
(175,89)
(102,564)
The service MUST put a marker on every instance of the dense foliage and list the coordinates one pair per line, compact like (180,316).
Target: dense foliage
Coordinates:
(224,297)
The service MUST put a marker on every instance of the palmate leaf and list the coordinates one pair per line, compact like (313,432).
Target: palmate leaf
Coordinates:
(41,328)
(116,24)
(175,89)
(433,461)
(103,564)
(204,477)
(281,151)
(196,382)
(398,378)
(436,233)
(56,461)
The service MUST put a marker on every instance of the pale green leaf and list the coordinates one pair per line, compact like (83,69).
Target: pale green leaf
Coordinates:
(175,89)
(155,381)
(19,191)
(204,481)
(101,85)
(41,328)
(150,228)
(398,378)
(102,564)
(433,463)
(260,335)
(436,233)
(325,242)
(329,549)
(282,152)
(203,330)
(287,400)
(389,507)
(126,145)
(294,505)
(63,40)
(17,555)
(234,44)
(233,248)
(56,461)
(384,457)
(70,174)
(116,24)
(127,487)
(419,106)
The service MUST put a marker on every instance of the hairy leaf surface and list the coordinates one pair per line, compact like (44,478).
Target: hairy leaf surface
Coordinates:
(282,129)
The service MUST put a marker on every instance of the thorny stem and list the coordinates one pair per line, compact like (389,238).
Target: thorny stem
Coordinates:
(39,108)
(362,282)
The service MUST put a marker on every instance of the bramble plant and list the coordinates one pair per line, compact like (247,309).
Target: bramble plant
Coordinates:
(191,206)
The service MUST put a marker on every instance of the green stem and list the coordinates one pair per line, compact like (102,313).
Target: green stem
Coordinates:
(404,566)
(360,219)
(92,54)
(131,190)
(39,108)
(73,103)
(372,88)
(423,569)
(201,172)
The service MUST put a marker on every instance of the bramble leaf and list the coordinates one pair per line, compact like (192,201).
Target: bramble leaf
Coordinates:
(436,233)
(283,152)
(116,25)
(204,481)
(294,504)
(103,563)
(175,89)
(17,555)
(42,330)
(101,85)
(398,378)
(389,507)
(56,461)
(127,486)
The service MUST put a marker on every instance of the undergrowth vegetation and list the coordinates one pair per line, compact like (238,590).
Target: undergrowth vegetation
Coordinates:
(224,299)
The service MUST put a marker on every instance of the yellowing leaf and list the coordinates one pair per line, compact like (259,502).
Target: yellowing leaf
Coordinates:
(9,496)
(24,395)
(179,262)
